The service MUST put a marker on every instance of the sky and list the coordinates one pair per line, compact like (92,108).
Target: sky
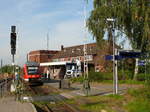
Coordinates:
(63,20)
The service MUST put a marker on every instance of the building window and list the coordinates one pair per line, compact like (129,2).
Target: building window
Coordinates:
(49,56)
(80,58)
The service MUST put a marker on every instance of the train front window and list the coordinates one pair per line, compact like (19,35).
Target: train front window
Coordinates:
(32,70)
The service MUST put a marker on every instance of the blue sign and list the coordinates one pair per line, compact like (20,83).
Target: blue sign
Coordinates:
(124,54)
(141,63)
(110,57)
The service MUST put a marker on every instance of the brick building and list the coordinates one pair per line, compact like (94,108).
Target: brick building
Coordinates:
(41,56)
(95,56)
(76,52)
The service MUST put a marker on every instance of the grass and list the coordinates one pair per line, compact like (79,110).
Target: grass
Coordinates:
(135,100)
(131,82)
(96,107)
(81,80)
(138,105)
(107,103)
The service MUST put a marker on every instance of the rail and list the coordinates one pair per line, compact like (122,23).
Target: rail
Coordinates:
(64,106)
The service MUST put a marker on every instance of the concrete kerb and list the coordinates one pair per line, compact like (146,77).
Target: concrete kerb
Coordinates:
(34,109)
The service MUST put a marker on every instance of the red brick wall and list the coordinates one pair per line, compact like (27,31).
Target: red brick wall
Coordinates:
(41,56)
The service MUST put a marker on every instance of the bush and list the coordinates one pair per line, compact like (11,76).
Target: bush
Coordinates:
(99,76)
(125,75)
(77,79)
(143,76)
(95,76)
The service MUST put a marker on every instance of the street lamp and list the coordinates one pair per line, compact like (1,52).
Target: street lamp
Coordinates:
(115,75)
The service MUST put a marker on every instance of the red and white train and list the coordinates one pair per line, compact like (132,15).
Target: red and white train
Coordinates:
(31,72)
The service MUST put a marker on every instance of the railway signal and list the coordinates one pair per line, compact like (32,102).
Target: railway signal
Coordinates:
(13,37)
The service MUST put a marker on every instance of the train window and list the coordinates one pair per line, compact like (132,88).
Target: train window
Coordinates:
(32,70)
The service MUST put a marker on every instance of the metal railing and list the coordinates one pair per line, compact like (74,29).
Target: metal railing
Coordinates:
(4,86)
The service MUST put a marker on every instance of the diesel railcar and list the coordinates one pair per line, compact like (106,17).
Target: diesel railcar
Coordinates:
(31,73)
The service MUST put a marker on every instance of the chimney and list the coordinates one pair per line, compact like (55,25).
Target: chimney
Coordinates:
(62,47)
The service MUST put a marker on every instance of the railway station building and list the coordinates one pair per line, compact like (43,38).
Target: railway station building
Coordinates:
(49,58)
(41,56)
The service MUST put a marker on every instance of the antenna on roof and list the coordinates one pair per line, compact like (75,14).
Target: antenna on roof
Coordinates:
(47,41)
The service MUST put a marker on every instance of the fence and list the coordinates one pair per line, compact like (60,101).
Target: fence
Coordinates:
(4,86)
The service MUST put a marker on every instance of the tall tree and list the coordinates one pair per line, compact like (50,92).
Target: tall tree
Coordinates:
(132,18)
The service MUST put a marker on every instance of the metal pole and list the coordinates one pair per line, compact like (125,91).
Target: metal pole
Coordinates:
(115,69)
(86,85)
(114,88)
(116,74)
(1,88)
(47,41)
(13,65)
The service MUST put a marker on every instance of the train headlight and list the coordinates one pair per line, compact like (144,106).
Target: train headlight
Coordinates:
(26,80)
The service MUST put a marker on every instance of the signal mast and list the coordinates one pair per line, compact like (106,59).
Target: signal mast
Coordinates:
(86,85)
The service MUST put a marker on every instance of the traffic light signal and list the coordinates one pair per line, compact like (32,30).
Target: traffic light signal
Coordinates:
(13,43)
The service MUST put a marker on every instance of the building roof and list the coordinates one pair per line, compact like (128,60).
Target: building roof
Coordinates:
(75,51)
(43,52)
(54,63)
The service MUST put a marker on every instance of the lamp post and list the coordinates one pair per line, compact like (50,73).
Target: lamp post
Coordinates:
(115,73)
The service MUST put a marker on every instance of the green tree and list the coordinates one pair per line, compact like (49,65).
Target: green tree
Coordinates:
(7,69)
(132,19)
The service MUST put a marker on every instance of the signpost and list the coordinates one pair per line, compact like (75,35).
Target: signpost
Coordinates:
(119,55)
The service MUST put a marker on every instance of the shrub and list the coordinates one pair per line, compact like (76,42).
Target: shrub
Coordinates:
(99,76)
(77,79)
(143,76)
(125,75)
(95,76)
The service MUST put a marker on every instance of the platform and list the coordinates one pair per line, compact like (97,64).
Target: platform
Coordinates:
(8,104)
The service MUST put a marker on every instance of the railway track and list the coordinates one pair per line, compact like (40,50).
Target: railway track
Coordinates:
(64,107)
